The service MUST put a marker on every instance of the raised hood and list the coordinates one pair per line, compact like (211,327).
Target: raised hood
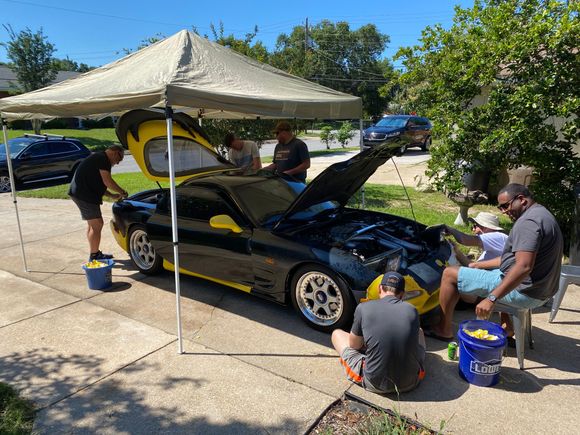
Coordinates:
(340,181)
(144,134)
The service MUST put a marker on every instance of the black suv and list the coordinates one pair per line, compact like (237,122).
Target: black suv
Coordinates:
(405,130)
(40,160)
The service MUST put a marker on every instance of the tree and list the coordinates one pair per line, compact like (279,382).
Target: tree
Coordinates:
(327,136)
(70,65)
(32,62)
(335,56)
(31,56)
(243,46)
(493,84)
(345,133)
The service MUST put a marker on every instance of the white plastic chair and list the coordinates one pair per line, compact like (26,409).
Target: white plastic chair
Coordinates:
(522,320)
(569,275)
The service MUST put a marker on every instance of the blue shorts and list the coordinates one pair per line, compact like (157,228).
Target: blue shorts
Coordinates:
(481,282)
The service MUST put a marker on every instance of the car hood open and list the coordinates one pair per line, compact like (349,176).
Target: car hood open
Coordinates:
(340,181)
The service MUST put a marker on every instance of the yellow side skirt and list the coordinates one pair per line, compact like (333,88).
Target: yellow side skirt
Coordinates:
(169,266)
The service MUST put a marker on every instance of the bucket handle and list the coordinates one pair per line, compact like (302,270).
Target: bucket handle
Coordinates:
(473,358)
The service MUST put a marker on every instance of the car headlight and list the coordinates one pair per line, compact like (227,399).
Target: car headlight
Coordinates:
(412,294)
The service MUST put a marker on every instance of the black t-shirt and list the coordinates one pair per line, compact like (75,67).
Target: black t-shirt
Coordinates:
(87,183)
(291,155)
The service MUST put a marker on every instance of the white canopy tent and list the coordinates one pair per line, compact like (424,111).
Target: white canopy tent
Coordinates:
(188,73)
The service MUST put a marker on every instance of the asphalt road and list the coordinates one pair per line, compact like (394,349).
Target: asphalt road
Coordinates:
(412,157)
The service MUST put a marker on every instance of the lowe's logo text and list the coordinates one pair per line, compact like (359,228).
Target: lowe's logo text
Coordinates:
(481,368)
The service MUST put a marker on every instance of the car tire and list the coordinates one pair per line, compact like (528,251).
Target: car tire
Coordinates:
(142,253)
(426,145)
(321,298)
(5,183)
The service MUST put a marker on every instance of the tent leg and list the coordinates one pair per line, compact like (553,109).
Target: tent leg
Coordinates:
(362,189)
(169,119)
(13,188)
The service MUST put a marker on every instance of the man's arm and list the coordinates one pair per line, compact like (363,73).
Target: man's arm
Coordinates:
(464,239)
(356,341)
(256,163)
(524,264)
(110,183)
(300,168)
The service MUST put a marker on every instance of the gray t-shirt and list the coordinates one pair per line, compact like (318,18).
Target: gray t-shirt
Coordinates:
(244,158)
(390,328)
(536,230)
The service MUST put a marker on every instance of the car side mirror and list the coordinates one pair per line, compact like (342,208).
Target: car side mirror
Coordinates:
(223,221)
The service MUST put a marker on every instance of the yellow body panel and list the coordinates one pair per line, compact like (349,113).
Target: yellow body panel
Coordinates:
(121,240)
(169,266)
(423,303)
(156,129)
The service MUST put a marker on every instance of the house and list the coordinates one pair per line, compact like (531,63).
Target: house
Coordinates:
(8,80)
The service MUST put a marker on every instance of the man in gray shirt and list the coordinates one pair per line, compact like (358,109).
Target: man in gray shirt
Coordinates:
(527,273)
(385,349)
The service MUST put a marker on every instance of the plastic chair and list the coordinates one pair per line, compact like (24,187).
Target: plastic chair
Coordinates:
(522,320)
(569,275)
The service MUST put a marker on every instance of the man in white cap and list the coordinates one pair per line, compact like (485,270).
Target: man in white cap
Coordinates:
(385,349)
(488,236)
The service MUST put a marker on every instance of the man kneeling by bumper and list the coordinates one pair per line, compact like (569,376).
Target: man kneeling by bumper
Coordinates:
(385,349)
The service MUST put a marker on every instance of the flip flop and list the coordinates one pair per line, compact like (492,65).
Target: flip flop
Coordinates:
(433,334)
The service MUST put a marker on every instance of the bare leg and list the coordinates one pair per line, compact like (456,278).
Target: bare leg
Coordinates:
(340,340)
(506,324)
(448,298)
(94,229)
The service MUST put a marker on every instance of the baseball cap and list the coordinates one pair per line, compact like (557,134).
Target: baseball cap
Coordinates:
(486,220)
(394,280)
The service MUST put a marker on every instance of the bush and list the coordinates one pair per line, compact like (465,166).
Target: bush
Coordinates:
(345,133)
(327,136)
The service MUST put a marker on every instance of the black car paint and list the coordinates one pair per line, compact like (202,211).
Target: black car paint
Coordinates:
(48,167)
(354,243)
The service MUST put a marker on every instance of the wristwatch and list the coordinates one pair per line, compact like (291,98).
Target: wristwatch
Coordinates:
(492,298)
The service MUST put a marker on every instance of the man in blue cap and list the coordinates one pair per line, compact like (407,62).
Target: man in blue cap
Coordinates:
(385,349)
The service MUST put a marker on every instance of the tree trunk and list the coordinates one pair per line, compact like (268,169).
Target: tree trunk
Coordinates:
(36,124)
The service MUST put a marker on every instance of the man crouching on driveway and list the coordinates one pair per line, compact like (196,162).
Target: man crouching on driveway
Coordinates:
(385,350)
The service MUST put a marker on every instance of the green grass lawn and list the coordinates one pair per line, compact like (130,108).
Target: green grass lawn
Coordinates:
(16,413)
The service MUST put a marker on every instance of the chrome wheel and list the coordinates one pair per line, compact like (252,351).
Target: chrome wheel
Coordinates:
(4,183)
(402,149)
(319,298)
(142,252)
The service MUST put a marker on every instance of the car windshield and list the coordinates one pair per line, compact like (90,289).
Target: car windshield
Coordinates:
(16,146)
(266,200)
(392,121)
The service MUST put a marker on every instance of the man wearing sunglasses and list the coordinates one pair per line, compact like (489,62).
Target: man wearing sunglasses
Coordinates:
(527,273)
(92,180)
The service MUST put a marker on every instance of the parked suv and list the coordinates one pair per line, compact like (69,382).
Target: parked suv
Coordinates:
(40,160)
(406,130)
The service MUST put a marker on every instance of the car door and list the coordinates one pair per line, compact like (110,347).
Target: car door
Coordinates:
(414,128)
(63,157)
(35,163)
(215,253)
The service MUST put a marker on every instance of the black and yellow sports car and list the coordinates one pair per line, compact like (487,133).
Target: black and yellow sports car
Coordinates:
(269,236)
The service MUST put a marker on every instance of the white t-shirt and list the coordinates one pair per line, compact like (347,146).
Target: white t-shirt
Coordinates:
(245,157)
(493,244)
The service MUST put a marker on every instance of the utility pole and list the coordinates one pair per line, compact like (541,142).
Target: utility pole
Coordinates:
(306,43)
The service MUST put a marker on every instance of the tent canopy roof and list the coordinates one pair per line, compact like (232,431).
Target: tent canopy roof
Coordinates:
(188,71)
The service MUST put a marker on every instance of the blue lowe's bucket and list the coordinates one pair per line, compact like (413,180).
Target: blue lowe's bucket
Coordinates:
(100,278)
(480,360)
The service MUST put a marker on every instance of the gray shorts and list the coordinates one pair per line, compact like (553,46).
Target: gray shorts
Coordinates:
(88,210)
(353,362)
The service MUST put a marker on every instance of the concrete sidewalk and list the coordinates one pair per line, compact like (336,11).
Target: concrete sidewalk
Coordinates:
(107,362)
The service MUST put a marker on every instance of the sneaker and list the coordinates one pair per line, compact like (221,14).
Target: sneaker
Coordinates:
(100,256)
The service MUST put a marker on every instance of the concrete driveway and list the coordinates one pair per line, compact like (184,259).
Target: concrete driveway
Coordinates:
(107,362)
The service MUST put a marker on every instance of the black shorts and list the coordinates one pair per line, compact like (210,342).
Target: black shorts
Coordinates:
(88,210)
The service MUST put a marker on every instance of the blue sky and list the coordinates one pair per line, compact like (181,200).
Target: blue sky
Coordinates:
(96,32)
